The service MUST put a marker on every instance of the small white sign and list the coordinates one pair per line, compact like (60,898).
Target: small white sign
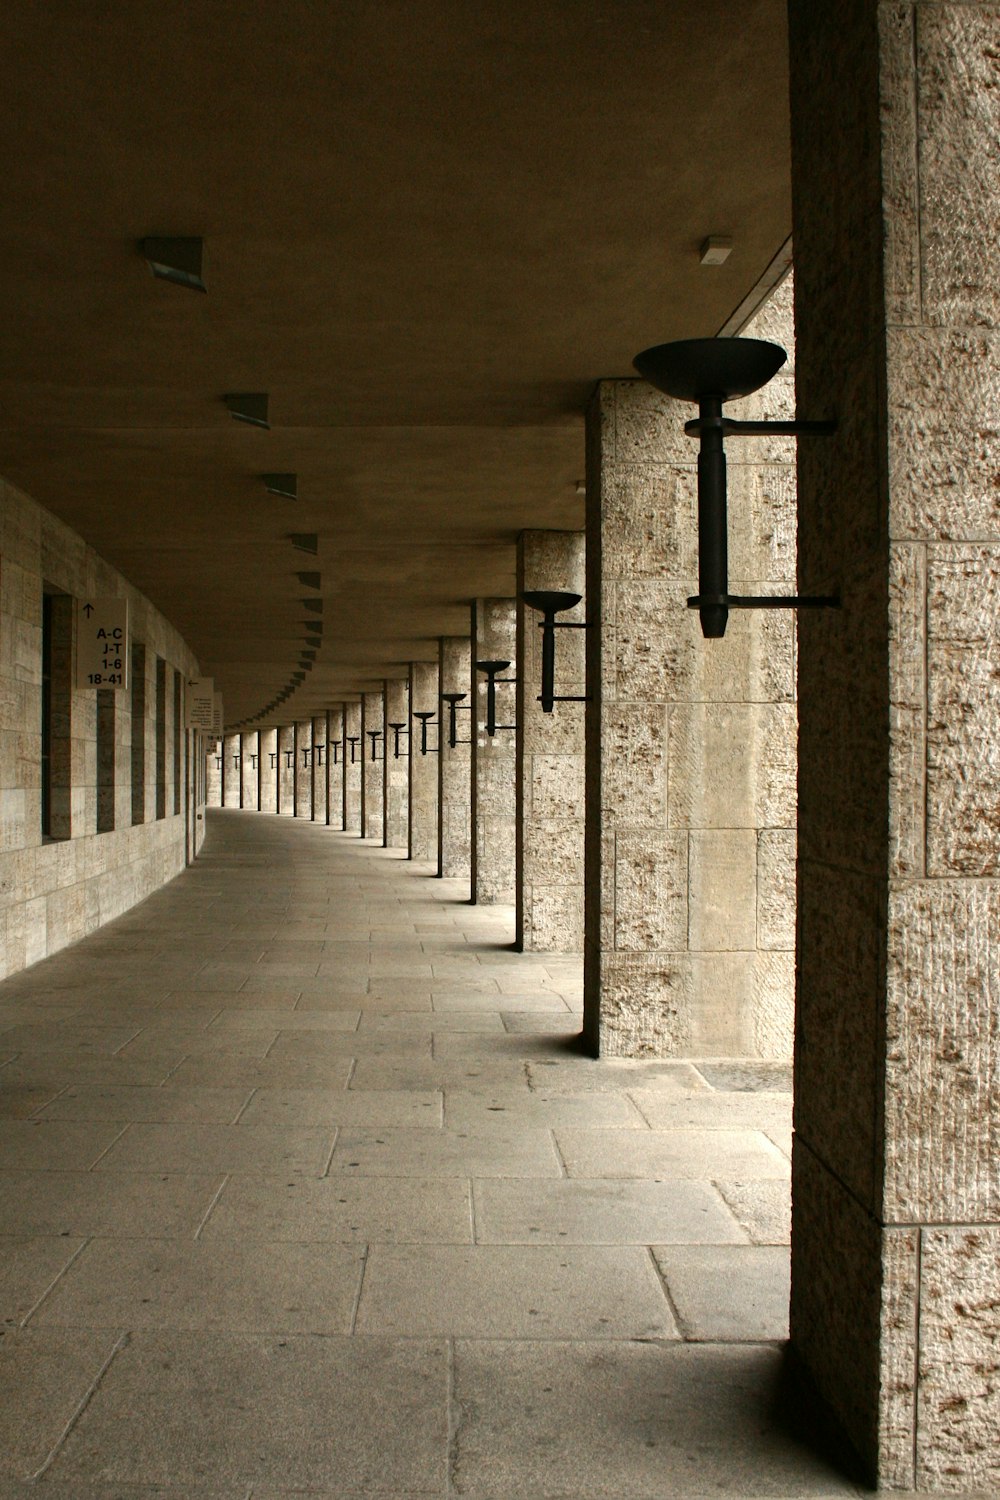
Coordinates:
(102,643)
(201,703)
(218,723)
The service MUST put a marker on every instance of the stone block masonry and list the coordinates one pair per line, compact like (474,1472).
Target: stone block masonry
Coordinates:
(690,743)
(454,762)
(423,769)
(372,805)
(395,783)
(54,890)
(494,760)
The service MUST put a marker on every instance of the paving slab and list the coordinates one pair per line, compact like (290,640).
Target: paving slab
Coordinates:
(417,1109)
(46,1375)
(237,1072)
(573,1073)
(136,1103)
(55,1144)
(727,1293)
(514,1108)
(350,1210)
(92,1203)
(513,1292)
(29,1265)
(254,1287)
(218,1148)
(627,1419)
(19,1101)
(445,1153)
(221,1409)
(663,1154)
(572,1211)
(764,1209)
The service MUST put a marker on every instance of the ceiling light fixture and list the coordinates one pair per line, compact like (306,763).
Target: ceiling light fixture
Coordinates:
(285,485)
(251,408)
(176,260)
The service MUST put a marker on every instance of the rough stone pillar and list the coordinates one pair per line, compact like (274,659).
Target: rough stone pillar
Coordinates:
(303,768)
(690,743)
(550,754)
(286,770)
(318,760)
(267,785)
(335,767)
(213,774)
(231,770)
(353,768)
(494,760)
(394,786)
(423,769)
(372,721)
(454,763)
(249,768)
(896,1231)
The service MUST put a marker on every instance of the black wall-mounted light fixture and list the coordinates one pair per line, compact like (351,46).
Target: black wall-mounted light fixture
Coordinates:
(552,602)
(336,746)
(352,740)
(397,730)
(710,372)
(250,407)
(374,735)
(285,485)
(491,670)
(454,702)
(426,716)
(176,260)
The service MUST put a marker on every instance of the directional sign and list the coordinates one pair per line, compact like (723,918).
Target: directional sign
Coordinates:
(218,722)
(201,703)
(102,643)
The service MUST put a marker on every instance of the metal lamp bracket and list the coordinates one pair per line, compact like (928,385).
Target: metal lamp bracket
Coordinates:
(491,671)
(454,702)
(426,716)
(710,372)
(551,602)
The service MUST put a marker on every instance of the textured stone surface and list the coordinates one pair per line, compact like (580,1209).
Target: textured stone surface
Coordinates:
(52,894)
(454,762)
(395,785)
(372,722)
(942,1098)
(494,761)
(335,767)
(352,768)
(691,745)
(958,1413)
(423,769)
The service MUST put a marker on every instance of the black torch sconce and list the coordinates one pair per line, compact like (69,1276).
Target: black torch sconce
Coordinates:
(710,372)
(397,730)
(352,740)
(336,746)
(454,702)
(426,716)
(492,670)
(552,602)
(374,735)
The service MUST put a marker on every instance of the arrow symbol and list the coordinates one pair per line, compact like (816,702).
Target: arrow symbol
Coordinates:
(88,610)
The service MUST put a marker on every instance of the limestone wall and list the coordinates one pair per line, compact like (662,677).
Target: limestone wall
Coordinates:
(423,769)
(395,768)
(550,750)
(54,892)
(494,760)
(691,743)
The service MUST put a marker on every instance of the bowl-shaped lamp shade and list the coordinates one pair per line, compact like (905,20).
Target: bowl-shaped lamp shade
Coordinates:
(550,601)
(491,668)
(702,369)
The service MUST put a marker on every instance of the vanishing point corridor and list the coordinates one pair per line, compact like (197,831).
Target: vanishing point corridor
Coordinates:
(306,1191)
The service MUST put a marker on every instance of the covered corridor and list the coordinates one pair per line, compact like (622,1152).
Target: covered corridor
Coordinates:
(307,1190)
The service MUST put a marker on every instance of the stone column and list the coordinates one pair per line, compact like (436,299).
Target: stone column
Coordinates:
(394,786)
(267,786)
(372,721)
(319,755)
(550,754)
(231,770)
(352,769)
(286,770)
(303,768)
(690,743)
(213,773)
(494,760)
(896,1229)
(335,767)
(423,769)
(454,762)
(249,768)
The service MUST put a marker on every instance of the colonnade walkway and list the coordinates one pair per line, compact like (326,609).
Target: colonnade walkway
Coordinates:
(305,1189)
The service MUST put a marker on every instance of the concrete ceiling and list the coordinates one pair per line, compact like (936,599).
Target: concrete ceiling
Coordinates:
(430,226)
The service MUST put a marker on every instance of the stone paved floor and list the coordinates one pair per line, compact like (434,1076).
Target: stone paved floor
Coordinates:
(305,1190)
